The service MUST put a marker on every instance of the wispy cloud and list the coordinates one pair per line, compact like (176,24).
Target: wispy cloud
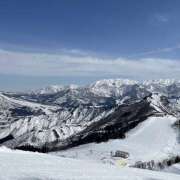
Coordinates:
(63,65)
(75,52)
(156,51)
(161,18)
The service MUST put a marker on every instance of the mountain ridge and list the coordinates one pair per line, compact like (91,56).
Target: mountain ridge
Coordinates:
(75,115)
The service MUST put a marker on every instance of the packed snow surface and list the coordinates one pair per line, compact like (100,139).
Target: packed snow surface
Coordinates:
(153,139)
(19,165)
(173,169)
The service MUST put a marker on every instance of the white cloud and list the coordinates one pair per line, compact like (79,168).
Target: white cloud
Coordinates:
(161,18)
(38,64)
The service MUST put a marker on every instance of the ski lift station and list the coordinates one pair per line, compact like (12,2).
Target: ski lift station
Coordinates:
(121,154)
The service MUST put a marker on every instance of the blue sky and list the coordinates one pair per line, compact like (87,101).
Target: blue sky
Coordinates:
(79,41)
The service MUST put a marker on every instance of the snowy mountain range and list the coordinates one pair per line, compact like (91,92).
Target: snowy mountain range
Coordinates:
(59,117)
(84,126)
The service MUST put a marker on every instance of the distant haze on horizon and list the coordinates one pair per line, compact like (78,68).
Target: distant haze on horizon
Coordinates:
(48,42)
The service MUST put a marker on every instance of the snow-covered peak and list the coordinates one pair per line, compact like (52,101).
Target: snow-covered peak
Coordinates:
(162,82)
(115,82)
(166,87)
(111,87)
(117,87)
(73,86)
(54,89)
(50,89)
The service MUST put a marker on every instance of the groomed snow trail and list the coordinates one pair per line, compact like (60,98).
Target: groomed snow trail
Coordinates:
(153,139)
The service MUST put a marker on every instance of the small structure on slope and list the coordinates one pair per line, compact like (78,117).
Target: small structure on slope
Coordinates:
(121,154)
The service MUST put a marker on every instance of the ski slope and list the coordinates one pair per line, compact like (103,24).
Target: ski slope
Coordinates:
(153,139)
(19,165)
